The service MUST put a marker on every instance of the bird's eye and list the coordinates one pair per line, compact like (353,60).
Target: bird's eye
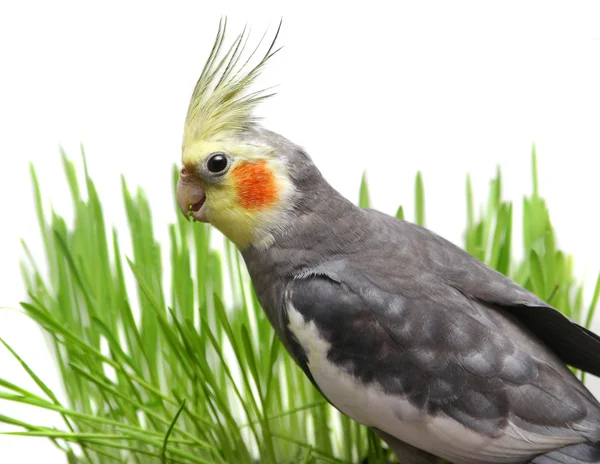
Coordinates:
(217,163)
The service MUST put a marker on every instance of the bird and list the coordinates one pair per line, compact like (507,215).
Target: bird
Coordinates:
(398,328)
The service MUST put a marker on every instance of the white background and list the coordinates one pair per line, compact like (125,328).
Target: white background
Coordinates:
(444,88)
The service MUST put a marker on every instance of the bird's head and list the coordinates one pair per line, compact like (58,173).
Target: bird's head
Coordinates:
(235,175)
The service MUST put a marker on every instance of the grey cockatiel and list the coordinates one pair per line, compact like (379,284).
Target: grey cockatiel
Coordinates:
(398,328)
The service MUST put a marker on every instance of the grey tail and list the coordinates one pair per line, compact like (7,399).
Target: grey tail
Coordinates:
(581,453)
(405,452)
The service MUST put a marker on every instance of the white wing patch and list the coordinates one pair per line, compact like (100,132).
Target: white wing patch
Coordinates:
(441,435)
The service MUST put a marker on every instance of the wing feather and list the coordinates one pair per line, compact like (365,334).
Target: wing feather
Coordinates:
(443,359)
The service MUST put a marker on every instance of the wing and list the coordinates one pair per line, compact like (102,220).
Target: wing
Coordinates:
(434,368)
(434,258)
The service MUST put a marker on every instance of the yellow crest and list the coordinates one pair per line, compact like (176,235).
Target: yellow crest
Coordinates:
(220,102)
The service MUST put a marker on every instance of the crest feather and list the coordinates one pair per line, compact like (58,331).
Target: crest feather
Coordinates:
(220,101)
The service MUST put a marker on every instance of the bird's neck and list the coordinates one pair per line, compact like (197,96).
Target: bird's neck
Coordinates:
(320,224)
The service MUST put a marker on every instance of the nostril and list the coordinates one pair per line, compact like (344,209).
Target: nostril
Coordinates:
(183,172)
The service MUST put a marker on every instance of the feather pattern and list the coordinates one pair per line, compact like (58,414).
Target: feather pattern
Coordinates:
(220,102)
(407,333)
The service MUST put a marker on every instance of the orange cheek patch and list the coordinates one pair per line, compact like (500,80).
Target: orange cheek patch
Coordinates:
(255,185)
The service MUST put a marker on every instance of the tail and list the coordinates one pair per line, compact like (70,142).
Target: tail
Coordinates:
(405,452)
(582,453)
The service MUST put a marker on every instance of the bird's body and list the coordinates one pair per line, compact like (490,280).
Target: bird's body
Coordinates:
(407,333)
(398,328)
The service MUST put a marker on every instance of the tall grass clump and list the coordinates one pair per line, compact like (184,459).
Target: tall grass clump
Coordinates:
(177,376)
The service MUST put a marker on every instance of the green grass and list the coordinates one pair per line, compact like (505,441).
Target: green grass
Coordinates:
(175,375)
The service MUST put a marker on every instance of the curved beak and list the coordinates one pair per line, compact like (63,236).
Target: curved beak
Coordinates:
(190,196)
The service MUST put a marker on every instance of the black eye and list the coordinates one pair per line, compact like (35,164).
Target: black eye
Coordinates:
(217,163)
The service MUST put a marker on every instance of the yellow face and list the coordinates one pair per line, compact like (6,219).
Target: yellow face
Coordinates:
(239,188)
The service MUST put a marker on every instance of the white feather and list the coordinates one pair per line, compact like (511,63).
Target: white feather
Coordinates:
(439,435)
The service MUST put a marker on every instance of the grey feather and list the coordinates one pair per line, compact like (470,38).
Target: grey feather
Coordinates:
(406,453)
(574,454)
(406,310)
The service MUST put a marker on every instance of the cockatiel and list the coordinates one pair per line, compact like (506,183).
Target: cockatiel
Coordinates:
(398,328)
